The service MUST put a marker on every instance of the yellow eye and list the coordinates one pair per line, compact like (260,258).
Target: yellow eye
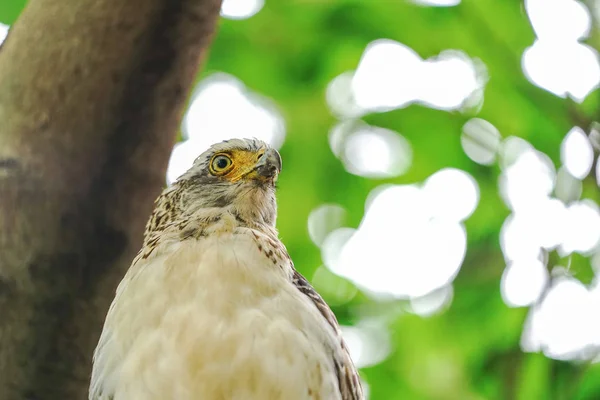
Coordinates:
(220,163)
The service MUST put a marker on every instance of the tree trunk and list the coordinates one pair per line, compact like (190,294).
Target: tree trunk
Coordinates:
(91,95)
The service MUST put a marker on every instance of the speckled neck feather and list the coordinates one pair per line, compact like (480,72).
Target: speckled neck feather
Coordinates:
(198,203)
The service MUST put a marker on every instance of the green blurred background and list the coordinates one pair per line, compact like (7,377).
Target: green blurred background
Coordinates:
(304,75)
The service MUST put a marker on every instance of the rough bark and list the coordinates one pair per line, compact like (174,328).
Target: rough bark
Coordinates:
(91,94)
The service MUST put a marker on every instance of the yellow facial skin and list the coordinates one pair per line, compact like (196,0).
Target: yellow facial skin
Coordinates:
(242,165)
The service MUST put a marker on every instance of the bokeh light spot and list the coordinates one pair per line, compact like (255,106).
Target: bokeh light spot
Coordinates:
(516,239)
(562,68)
(385,77)
(595,263)
(241,9)
(448,80)
(529,180)
(437,3)
(3,32)
(524,234)
(523,282)
(568,188)
(480,140)
(377,153)
(370,151)
(582,227)
(598,171)
(340,96)
(576,153)
(511,149)
(334,289)
(452,194)
(368,342)
(323,220)
(410,247)
(223,108)
(564,325)
(559,20)
(332,247)
(391,75)
(556,61)
(432,303)
(182,157)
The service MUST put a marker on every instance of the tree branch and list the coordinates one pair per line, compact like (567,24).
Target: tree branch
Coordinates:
(91,95)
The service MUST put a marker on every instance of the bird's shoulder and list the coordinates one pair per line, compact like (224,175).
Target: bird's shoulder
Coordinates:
(347,375)
(274,250)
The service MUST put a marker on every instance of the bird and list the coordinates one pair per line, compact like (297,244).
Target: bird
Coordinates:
(212,307)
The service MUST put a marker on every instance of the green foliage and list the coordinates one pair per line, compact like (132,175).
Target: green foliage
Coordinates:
(289,52)
(9,10)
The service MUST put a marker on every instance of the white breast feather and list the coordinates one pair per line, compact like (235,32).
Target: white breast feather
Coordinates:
(212,319)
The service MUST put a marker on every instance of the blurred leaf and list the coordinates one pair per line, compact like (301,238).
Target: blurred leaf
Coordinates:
(10,10)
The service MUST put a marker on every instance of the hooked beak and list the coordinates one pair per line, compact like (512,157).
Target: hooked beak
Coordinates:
(266,168)
(269,164)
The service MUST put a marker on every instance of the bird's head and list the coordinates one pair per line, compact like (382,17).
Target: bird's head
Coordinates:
(238,174)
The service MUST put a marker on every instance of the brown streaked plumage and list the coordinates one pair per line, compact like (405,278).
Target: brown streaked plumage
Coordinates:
(212,306)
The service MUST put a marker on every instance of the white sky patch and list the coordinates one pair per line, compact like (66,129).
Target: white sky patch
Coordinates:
(412,247)
(576,153)
(182,158)
(241,9)
(391,75)
(480,141)
(562,68)
(3,32)
(523,282)
(223,108)
(559,20)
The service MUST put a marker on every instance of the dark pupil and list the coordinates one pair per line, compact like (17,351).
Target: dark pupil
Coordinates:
(222,163)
